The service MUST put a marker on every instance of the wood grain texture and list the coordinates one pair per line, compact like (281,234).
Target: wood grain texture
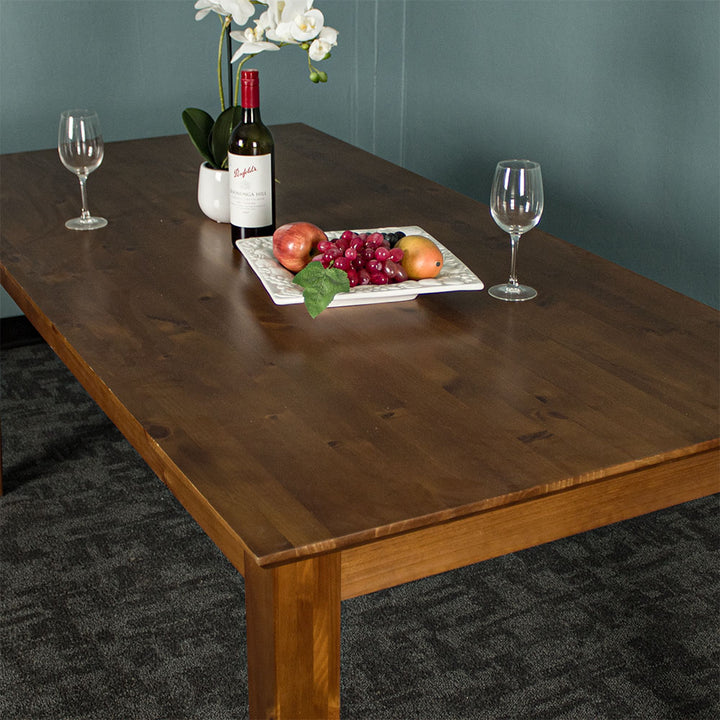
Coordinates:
(293,639)
(373,445)
(288,437)
(413,555)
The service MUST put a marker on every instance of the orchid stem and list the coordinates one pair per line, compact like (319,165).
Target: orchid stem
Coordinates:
(225,25)
(237,74)
(229,69)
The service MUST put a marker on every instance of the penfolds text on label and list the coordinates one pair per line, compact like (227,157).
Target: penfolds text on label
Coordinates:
(251,179)
(243,172)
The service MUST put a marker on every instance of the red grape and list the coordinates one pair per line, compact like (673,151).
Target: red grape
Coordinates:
(368,252)
(400,273)
(390,268)
(367,258)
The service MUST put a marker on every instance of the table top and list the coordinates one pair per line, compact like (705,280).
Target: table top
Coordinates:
(303,436)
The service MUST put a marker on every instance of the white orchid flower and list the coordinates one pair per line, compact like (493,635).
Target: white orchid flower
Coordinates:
(249,34)
(281,23)
(241,10)
(265,22)
(296,21)
(307,26)
(255,34)
(329,35)
(322,45)
(289,8)
(273,12)
(251,47)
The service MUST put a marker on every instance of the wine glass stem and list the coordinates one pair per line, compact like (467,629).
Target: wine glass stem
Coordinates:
(514,241)
(85,214)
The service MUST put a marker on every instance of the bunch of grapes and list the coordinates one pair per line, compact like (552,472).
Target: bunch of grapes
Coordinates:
(367,258)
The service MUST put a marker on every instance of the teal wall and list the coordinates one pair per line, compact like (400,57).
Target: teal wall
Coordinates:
(618,99)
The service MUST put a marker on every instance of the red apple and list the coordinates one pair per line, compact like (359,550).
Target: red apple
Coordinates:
(294,243)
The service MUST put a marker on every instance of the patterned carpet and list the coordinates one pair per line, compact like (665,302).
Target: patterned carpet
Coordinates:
(116,606)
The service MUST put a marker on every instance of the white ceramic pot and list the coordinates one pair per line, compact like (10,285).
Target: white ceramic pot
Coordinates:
(214,193)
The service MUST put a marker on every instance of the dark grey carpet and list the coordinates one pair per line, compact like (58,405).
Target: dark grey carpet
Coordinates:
(116,606)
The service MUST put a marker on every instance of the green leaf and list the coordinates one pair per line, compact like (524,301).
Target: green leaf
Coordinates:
(199,125)
(221,132)
(320,285)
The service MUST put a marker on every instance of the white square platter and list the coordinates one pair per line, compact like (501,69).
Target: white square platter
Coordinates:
(278,281)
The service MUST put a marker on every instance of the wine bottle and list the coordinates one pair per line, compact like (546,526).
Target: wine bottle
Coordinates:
(251,163)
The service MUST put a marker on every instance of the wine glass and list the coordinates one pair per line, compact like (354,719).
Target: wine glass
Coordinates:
(80,146)
(516,204)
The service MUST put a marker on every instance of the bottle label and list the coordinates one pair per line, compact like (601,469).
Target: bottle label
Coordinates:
(250,190)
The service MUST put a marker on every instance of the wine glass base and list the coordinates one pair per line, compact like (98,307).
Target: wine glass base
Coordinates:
(90,223)
(512,293)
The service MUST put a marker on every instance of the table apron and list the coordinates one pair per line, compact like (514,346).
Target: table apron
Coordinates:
(428,551)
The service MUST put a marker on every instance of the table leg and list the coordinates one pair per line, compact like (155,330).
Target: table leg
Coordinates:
(293,638)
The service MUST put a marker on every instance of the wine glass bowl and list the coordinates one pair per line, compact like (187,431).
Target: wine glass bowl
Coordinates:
(81,150)
(516,205)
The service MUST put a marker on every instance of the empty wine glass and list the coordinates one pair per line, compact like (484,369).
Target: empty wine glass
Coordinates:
(516,204)
(80,146)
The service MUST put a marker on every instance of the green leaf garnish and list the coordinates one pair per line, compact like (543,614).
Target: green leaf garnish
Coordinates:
(320,285)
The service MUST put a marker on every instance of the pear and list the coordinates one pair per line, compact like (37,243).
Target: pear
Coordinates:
(421,257)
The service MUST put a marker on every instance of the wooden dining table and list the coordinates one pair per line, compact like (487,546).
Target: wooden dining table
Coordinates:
(374,444)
